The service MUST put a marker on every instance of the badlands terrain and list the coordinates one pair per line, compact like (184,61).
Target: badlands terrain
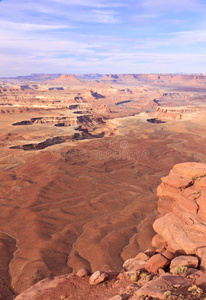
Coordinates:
(81,159)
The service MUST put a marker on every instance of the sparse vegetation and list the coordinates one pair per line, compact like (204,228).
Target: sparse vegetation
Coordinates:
(143,275)
(133,276)
(167,294)
(198,177)
(180,270)
(195,289)
(192,288)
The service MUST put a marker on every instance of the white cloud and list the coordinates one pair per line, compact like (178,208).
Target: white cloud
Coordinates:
(93,3)
(29,26)
(172,5)
(48,11)
(97,16)
(55,35)
(128,62)
(190,37)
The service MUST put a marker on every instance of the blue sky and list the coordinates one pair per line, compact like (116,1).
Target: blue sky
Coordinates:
(102,36)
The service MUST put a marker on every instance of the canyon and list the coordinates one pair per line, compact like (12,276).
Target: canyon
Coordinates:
(81,160)
(174,269)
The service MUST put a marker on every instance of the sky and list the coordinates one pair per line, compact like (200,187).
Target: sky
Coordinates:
(102,36)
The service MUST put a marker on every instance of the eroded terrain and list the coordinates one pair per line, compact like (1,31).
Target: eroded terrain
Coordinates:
(79,167)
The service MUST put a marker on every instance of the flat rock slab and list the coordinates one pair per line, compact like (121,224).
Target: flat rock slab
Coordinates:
(157,288)
(134,264)
(184,260)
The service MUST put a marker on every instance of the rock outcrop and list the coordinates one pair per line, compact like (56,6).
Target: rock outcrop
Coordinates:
(184,281)
(64,79)
(182,205)
(174,113)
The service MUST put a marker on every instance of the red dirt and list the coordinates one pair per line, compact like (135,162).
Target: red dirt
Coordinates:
(84,203)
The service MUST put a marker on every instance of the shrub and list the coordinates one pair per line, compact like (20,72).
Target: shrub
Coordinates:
(167,294)
(180,270)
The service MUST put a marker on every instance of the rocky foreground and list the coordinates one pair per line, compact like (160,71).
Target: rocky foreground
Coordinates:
(174,269)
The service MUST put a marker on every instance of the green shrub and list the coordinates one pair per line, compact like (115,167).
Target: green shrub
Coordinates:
(198,177)
(167,294)
(180,270)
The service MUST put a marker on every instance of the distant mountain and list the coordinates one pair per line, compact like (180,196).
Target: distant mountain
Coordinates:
(64,79)
(112,78)
(34,77)
(44,77)
(154,78)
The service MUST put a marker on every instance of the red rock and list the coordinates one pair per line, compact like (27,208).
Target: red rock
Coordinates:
(156,288)
(201,253)
(182,203)
(155,262)
(97,277)
(142,256)
(39,288)
(190,169)
(201,280)
(184,260)
(83,272)
(134,264)
(144,279)
(61,206)
(117,297)
(132,287)
(169,255)
(149,252)
(158,242)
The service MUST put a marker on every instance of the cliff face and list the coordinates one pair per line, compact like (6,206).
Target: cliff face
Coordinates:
(182,205)
(159,78)
(174,113)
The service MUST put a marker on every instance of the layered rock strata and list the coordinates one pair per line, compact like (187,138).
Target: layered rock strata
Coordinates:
(182,205)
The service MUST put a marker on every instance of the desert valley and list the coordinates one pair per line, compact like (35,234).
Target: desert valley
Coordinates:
(81,159)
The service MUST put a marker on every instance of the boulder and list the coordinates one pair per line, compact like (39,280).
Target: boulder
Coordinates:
(184,260)
(97,277)
(158,242)
(156,262)
(149,252)
(169,255)
(83,272)
(142,256)
(133,264)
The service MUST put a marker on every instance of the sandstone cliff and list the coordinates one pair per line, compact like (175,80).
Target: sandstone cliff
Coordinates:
(175,113)
(182,204)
